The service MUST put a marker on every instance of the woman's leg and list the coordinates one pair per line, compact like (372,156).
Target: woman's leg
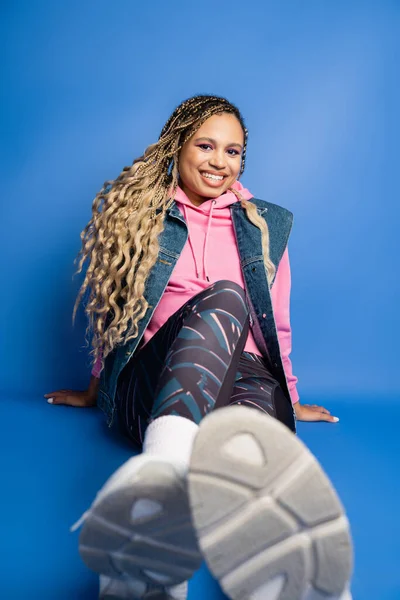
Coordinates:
(188,368)
(139,528)
(237,461)
(256,387)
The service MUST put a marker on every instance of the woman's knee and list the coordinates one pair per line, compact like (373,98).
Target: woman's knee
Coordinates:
(229,286)
(226,295)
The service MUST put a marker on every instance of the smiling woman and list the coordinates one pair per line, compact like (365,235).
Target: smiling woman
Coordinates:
(210,162)
(190,288)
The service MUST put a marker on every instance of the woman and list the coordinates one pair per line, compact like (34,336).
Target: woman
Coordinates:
(189,283)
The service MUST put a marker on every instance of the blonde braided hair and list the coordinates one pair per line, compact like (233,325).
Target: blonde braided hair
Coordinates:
(121,238)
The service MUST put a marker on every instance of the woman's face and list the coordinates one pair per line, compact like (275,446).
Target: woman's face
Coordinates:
(209,162)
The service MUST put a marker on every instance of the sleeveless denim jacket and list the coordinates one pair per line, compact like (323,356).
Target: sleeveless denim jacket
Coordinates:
(248,238)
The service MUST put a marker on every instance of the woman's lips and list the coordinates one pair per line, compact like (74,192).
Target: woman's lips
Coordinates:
(212,180)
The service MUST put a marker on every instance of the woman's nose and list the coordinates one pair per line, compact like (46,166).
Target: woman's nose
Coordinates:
(217,160)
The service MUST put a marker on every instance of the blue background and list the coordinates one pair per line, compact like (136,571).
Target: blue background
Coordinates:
(87,86)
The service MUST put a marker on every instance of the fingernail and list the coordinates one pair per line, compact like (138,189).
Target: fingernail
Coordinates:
(335,419)
(50,400)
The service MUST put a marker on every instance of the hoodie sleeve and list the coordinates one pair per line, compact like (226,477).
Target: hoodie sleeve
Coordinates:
(97,366)
(280,296)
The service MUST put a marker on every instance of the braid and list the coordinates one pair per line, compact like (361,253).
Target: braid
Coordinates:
(189,116)
(121,238)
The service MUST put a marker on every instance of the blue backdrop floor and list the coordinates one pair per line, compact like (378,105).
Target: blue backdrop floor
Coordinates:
(54,459)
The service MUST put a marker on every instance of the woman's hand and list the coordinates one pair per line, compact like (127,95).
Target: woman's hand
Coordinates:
(72,398)
(312,412)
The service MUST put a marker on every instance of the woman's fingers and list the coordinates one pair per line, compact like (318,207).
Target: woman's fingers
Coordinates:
(68,397)
(57,397)
(305,412)
(321,409)
(326,416)
(57,393)
(317,408)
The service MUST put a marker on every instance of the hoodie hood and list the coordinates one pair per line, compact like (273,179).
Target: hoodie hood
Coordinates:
(221,202)
(201,219)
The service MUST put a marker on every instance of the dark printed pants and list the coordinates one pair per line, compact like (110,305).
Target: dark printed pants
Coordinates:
(195,363)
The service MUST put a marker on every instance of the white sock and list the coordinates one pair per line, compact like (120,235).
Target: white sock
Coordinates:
(171,437)
(168,438)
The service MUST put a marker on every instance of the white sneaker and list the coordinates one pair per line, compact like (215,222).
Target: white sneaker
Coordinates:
(269,523)
(139,528)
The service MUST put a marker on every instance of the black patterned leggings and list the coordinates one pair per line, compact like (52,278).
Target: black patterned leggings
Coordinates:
(195,363)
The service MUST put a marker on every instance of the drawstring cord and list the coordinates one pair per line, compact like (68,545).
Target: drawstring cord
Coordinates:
(186,215)
(206,240)
(190,242)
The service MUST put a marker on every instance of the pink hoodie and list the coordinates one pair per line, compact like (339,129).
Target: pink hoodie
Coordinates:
(211,255)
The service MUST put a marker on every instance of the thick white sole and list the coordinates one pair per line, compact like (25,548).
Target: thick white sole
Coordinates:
(139,528)
(115,589)
(268,520)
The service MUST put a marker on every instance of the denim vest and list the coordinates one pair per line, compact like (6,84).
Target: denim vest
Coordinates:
(248,238)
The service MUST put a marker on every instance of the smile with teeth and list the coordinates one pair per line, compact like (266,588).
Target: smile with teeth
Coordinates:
(213,177)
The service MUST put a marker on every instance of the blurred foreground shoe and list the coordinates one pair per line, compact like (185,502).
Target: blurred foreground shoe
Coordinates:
(269,522)
(139,529)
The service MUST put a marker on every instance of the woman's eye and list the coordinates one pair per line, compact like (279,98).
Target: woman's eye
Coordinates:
(206,147)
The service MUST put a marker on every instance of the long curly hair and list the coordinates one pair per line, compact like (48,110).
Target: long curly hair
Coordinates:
(121,238)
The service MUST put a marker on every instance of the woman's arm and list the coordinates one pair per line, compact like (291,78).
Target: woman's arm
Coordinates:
(82,399)
(280,296)
(97,365)
(93,387)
